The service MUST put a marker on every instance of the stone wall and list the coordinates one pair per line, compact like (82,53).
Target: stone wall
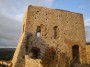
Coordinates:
(70,27)
(88,53)
(45,28)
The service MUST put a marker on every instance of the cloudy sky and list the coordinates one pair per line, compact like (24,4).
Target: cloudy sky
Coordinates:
(12,12)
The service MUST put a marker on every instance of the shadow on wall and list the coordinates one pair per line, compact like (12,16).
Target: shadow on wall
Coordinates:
(53,58)
(36,48)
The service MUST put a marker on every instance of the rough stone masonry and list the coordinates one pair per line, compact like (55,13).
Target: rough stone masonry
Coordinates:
(50,38)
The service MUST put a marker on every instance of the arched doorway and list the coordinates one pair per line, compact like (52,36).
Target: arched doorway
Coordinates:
(35,52)
(75,54)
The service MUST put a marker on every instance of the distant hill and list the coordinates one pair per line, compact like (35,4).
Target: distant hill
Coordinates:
(6,53)
(87,43)
(7,49)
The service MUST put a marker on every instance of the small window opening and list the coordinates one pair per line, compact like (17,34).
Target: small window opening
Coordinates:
(38,31)
(35,53)
(55,31)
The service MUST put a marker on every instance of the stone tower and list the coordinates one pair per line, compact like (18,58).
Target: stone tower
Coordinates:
(46,28)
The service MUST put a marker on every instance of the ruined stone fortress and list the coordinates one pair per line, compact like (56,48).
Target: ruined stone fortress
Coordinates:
(51,37)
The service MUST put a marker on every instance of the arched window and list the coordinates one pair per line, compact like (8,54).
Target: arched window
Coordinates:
(38,31)
(55,31)
(75,53)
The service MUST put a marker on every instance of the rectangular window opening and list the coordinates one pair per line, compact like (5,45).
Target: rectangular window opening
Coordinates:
(38,31)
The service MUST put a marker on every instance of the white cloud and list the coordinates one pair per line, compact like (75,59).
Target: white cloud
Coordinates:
(81,6)
(9,32)
(13,9)
(87,22)
(11,16)
(16,10)
(87,29)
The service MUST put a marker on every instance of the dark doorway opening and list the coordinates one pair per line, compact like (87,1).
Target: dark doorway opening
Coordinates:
(35,53)
(75,53)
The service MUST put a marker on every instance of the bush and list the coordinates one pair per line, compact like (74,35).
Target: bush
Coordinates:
(48,56)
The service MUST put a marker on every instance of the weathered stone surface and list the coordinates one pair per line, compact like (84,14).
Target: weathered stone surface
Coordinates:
(88,53)
(45,28)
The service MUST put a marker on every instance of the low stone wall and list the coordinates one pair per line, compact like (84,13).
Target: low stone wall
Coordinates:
(88,53)
(32,62)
